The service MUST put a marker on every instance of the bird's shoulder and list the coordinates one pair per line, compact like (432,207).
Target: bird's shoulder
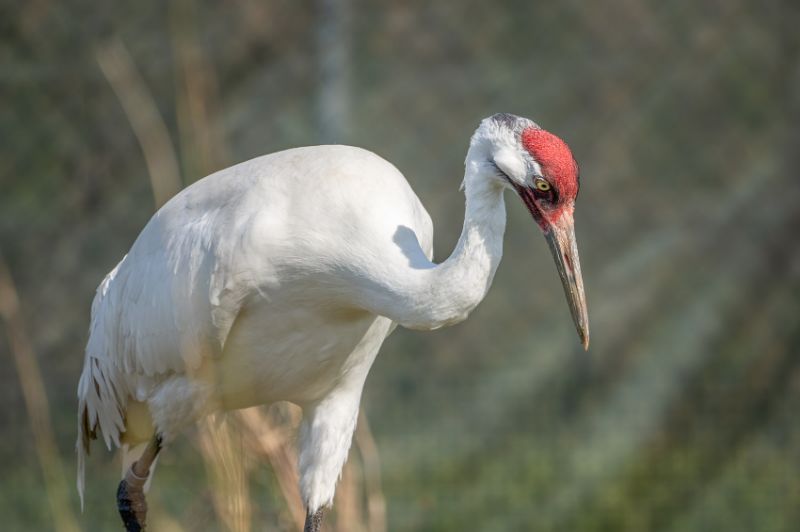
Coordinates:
(324,176)
(334,192)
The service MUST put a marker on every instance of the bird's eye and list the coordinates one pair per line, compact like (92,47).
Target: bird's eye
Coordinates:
(541,184)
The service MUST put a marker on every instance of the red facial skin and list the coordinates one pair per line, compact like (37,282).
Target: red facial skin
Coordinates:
(559,169)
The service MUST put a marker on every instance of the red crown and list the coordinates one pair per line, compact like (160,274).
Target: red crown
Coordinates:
(556,160)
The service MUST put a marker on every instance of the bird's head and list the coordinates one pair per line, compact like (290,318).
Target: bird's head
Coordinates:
(515,153)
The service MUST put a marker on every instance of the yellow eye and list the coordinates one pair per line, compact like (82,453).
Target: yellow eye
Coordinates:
(542,185)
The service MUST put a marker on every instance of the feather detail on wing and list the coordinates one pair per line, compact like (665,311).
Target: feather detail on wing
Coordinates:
(164,309)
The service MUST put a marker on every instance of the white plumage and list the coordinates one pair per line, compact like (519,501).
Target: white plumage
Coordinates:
(279,279)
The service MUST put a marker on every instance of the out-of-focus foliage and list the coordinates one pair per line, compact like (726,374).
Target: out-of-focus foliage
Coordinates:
(685,119)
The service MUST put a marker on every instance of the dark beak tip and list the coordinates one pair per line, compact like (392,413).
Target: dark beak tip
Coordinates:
(563,247)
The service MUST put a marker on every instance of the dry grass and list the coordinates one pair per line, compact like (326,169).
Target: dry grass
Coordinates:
(35,395)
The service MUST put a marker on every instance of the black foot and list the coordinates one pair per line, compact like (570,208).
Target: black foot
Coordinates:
(314,521)
(132,505)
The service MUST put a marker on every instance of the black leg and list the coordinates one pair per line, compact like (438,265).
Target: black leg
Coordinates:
(131,502)
(314,521)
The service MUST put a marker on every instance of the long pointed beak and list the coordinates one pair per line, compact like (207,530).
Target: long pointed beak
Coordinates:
(561,238)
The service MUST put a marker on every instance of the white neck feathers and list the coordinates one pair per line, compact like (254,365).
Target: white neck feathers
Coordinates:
(451,290)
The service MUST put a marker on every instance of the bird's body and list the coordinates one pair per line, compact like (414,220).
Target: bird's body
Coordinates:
(278,279)
(269,298)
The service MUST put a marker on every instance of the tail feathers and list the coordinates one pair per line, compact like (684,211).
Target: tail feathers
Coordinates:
(81,482)
(102,389)
(101,404)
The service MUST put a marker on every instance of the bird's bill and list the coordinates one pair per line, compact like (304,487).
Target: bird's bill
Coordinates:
(561,239)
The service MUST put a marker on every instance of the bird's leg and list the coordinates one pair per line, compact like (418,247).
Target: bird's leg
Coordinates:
(131,503)
(314,521)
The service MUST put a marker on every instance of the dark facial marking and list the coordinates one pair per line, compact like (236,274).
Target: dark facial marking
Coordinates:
(550,196)
(529,199)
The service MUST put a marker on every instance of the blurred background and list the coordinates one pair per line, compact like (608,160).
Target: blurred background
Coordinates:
(684,117)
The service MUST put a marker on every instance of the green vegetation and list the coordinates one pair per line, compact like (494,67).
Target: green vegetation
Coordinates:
(684,118)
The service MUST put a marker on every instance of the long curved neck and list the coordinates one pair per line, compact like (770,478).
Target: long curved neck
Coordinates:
(457,285)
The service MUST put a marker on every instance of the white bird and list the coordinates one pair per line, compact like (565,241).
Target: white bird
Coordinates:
(279,279)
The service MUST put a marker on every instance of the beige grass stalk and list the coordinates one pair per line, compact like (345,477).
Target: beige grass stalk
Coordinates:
(35,396)
(221,446)
(142,113)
